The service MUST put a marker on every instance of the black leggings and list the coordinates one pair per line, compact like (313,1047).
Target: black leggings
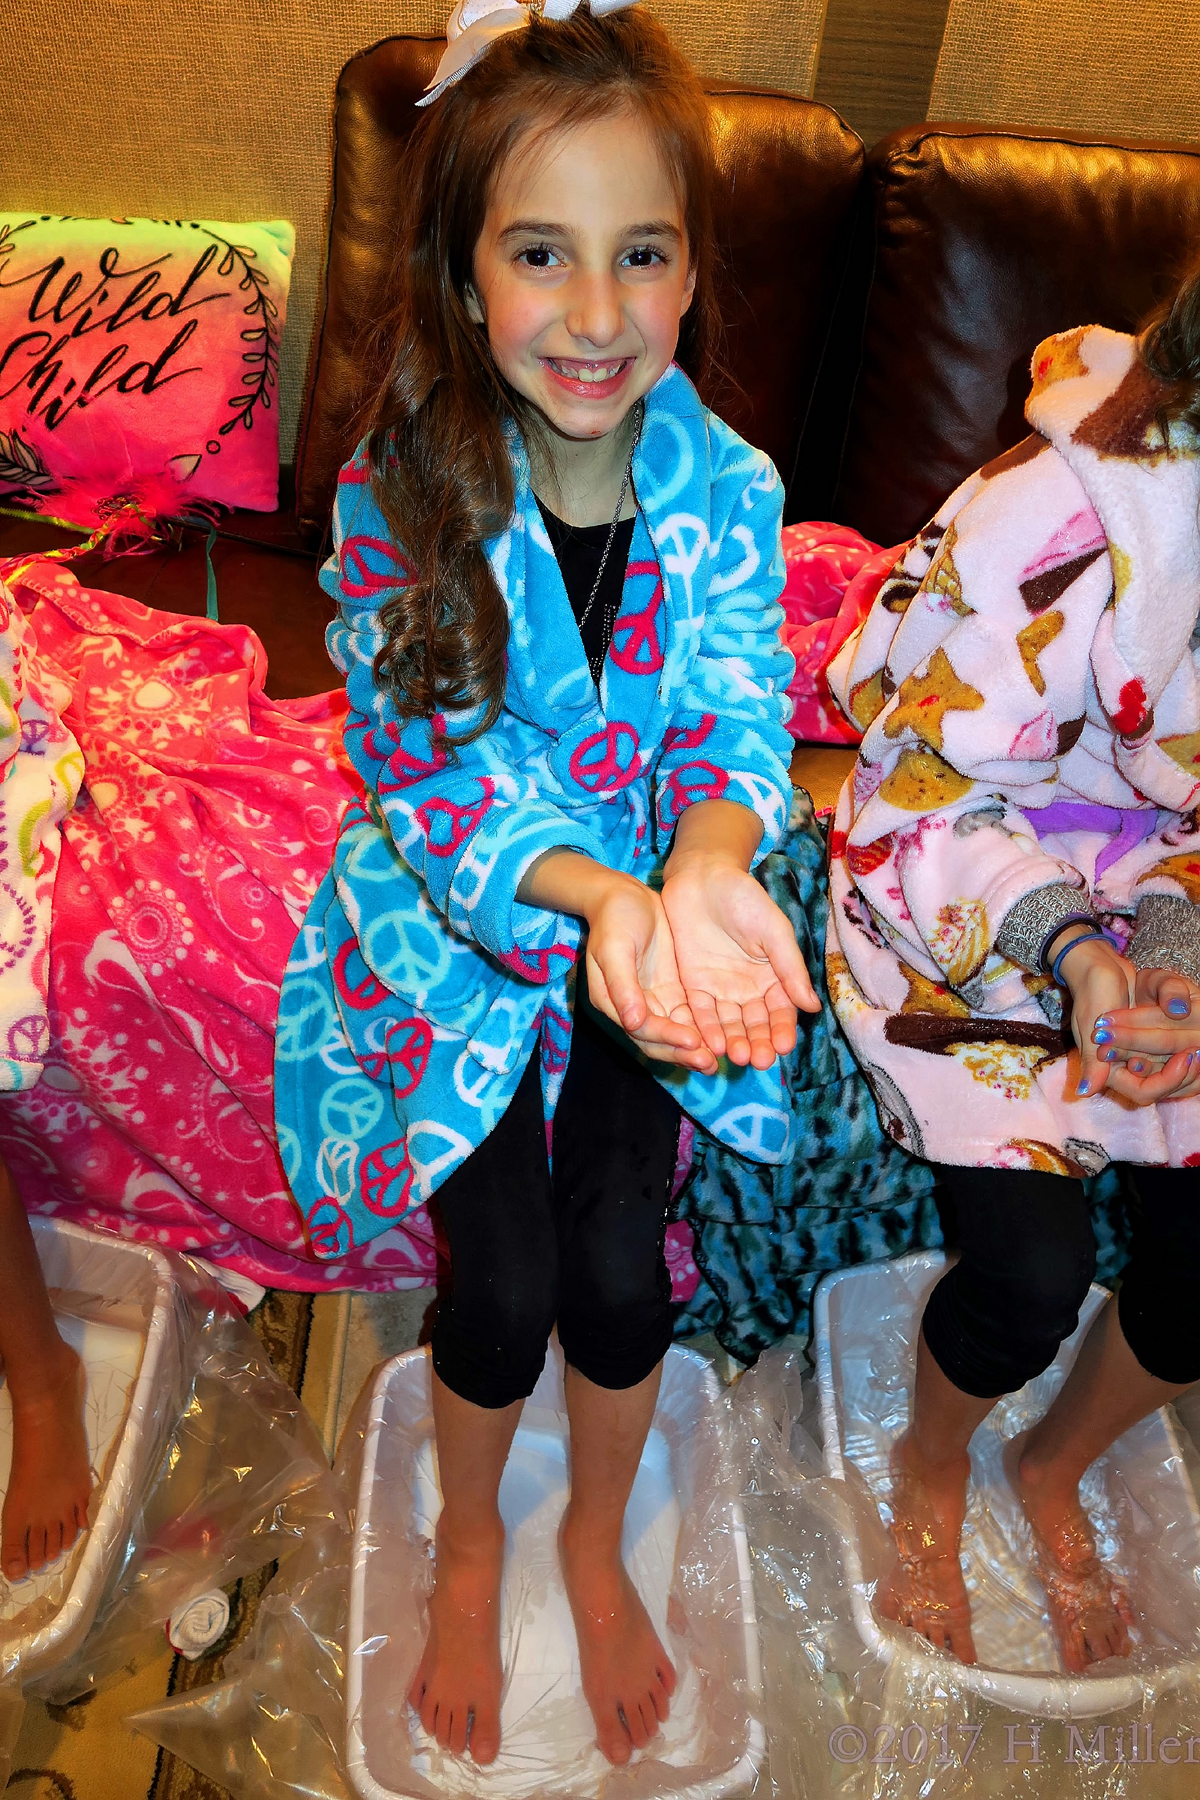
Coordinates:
(584,1248)
(996,1319)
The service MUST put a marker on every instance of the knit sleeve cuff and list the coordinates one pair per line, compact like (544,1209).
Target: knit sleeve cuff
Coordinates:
(1036,918)
(1167,936)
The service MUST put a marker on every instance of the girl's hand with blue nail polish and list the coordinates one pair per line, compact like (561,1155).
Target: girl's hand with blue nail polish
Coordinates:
(1162,1022)
(1177,1079)
(1099,980)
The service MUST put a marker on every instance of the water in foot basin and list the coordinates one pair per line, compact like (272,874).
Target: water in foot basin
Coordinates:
(111,1355)
(1136,1496)
(548,1736)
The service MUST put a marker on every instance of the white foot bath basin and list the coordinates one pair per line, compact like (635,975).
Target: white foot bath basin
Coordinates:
(1138,1498)
(685,1546)
(112,1304)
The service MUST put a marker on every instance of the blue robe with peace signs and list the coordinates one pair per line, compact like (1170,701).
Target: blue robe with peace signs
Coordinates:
(419,985)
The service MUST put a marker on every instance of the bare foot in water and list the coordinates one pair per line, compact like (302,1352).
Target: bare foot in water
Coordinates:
(456,1689)
(628,1678)
(926,1590)
(50,1482)
(1089,1611)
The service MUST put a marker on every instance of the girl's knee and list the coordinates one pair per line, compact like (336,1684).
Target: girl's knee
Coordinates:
(1050,1289)
(606,1289)
(1159,1314)
(489,1341)
(619,1358)
(615,1322)
(515,1316)
(992,1330)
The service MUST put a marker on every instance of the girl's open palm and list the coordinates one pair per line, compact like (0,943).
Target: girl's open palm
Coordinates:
(739,963)
(634,981)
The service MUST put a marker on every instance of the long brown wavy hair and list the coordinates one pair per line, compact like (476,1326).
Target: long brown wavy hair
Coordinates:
(1170,348)
(440,464)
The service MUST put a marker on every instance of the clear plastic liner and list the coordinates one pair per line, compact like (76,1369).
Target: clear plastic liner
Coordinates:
(858,1707)
(275,1728)
(206,1465)
(12,1709)
(842,1719)
(291,1709)
(684,1545)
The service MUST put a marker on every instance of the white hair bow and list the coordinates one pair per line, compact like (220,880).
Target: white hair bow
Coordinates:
(474,26)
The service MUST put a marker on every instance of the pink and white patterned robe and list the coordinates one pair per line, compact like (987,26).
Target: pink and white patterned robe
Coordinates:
(1029,694)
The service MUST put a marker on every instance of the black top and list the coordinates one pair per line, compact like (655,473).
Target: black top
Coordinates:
(579,549)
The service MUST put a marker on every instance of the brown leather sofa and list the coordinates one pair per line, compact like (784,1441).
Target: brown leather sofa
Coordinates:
(880,314)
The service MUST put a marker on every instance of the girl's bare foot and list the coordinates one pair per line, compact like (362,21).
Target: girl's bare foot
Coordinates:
(50,1481)
(456,1689)
(1089,1611)
(628,1678)
(926,1590)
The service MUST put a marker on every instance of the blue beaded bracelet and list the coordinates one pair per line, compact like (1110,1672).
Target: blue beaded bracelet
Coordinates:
(1083,938)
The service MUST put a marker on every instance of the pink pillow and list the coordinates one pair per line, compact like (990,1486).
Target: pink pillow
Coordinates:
(139,360)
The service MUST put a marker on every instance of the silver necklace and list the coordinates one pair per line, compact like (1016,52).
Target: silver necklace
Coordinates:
(612,530)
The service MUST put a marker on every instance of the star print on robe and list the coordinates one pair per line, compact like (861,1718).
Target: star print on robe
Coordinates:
(1033,640)
(1073,766)
(924,700)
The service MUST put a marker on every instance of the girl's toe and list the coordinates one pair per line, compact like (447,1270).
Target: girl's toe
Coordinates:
(639,1737)
(613,1738)
(456,1735)
(485,1735)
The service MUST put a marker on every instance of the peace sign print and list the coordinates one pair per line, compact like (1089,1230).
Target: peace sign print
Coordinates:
(404,766)
(370,566)
(408,1046)
(535,965)
(337,1168)
(556,1041)
(608,759)
(350,1109)
(401,1046)
(330,1231)
(641,652)
(434,1149)
(754,1130)
(685,737)
(29,1038)
(34,733)
(385,1180)
(305,1018)
(291,1152)
(366,854)
(448,826)
(354,981)
(695,781)
(410,950)
(357,472)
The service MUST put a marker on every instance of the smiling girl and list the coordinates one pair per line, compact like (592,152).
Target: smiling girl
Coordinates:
(557,577)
